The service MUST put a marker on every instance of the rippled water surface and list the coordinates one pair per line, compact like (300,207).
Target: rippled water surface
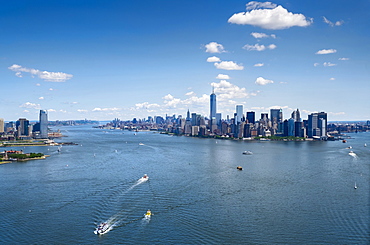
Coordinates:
(288,192)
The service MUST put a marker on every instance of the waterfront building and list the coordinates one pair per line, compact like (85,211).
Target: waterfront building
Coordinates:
(23,127)
(194,130)
(43,124)
(2,128)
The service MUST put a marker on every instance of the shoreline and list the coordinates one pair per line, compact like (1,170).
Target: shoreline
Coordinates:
(26,159)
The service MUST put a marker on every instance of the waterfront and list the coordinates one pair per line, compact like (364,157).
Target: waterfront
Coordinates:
(288,192)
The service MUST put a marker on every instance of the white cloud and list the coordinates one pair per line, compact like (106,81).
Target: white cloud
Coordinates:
(146,105)
(336,113)
(41,98)
(326,51)
(337,23)
(37,84)
(106,109)
(263,81)
(258,47)
(82,110)
(332,79)
(258,64)
(222,76)
(171,101)
(343,59)
(51,110)
(30,105)
(269,16)
(329,64)
(214,47)
(190,93)
(228,65)
(262,35)
(226,91)
(316,64)
(44,75)
(258,5)
(213,59)
(51,89)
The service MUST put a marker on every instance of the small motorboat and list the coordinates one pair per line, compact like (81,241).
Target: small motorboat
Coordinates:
(141,144)
(247,153)
(351,153)
(344,141)
(144,178)
(102,229)
(355,186)
(349,147)
(239,168)
(148,214)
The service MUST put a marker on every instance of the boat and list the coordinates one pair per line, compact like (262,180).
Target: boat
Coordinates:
(247,153)
(349,147)
(141,144)
(148,214)
(344,141)
(365,145)
(355,186)
(144,178)
(102,229)
(351,153)
(239,168)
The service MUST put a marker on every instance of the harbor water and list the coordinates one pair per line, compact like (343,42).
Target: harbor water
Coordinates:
(287,193)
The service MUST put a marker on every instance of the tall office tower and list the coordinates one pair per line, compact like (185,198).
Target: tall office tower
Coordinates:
(43,124)
(291,131)
(251,117)
(22,127)
(212,105)
(296,116)
(1,125)
(239,113)
(322,127)
(218,118)
(276,116)
(324,116)
(188,118)
(264,118)
(313,125)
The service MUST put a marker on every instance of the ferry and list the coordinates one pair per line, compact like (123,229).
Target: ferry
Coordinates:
(247,153)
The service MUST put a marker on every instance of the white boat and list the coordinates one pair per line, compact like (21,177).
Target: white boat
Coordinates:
(144,178)
(148,214)
(351,153)
(349,147)
(141,144)
(365,144)
(247,153)
(102,229)
(355,186)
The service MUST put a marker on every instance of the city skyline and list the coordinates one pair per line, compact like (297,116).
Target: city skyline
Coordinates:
(112,59)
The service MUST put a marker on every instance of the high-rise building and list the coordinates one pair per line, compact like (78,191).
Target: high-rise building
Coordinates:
(43,124)
(23,127)
(213,112)
(239,113)
(251,117)
(296,116)
(276,116)
(1,125)
(317,124)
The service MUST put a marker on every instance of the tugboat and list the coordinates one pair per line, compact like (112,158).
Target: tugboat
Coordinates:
(148,214)
(239,168)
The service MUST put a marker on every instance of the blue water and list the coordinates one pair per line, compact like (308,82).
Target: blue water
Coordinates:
(287,193)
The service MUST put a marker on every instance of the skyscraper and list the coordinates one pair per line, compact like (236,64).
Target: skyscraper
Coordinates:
(212,114)
(239,113)
(43,124)
(276,116)
(251,116)
(1,125)
(296,116)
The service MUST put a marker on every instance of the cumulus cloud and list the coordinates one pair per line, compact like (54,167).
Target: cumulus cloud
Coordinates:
(228,65)
(258,47)
(226,91)
(214,47)
(258,64)
(269,16)
(30,105)
(146,105)
(44,75)
(343,59)
(190,93)
(326,51)
(263,81)
(332,79)
(337,23)
(262,35)
(222,76)
(213,59)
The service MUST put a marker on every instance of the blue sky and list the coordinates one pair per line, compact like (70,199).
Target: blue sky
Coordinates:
(123,59)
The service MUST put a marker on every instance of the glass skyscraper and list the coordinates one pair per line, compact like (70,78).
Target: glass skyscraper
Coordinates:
(212,114)
(43,124)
